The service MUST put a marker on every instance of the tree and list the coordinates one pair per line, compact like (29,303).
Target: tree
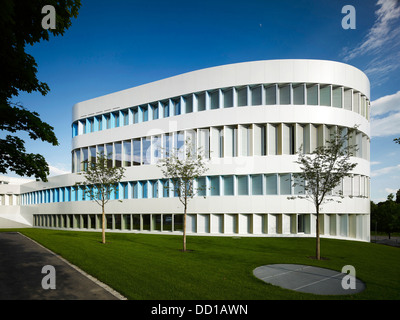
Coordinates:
(386,215)
(183,167)
(21,25)
(322,170)
(101,181)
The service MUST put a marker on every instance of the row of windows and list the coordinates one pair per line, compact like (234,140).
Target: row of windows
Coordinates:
(224,141)
(9,199)
(255,95)
(228,185)
(346,225)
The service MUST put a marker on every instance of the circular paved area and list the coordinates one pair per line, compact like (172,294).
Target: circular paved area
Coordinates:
(307,279)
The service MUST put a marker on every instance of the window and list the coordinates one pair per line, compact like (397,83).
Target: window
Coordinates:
(204,142)
(109,155)
(189,103)
(242,96)
(284,94)
(270,95)
(272,139)
(298,94)
(165,108)
(145,113)
(325,95)
(154,108)
(92,154)
(347,99)
(136,152)
(146,150)
(246,141)
(116,119)
(85,159)
(201,186)
(257,184)
(125,117)
(312,94)
(228,97)
(118,154)
(256,95)
(356,102)
(272,184)
(177,106)
(100,123)
(214,185)
(156,148)
(285,184)
(201,101)
(127,153)
(214,97)
(337,97)
(179,142)
(243,185)
(228,186)
(167,144)
(135,112)
(108,121)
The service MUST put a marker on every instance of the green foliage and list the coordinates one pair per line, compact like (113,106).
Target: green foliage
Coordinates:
(385,216)
(323,169)
(101,180)
(20,25)
(183,168)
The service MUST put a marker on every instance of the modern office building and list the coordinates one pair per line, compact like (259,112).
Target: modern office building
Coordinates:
(250,119)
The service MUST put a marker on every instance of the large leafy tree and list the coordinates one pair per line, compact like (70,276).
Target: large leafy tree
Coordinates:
(21,25)
(323,170)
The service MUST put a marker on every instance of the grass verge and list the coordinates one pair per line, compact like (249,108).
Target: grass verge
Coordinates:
(153,267)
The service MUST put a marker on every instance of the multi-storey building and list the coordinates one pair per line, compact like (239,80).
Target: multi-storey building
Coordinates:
(250,119)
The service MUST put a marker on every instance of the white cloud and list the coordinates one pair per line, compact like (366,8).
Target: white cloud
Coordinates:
(386,170)
(56,171)
(382,32)
(385,116)
(390,190)
(386,104)
(387,126)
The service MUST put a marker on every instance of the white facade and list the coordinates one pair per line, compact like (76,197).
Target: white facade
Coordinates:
(250,118)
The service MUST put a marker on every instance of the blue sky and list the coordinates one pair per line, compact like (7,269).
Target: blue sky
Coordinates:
(115,45)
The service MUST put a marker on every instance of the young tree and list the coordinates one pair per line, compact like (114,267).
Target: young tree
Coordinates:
(101,181)
(183,167)
(323,170)
(21,25)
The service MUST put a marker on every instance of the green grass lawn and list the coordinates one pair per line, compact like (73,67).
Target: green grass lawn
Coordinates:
(146,266)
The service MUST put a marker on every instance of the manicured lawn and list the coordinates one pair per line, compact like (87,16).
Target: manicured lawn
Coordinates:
(146,266)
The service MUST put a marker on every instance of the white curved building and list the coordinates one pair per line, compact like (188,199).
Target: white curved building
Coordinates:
(250,118)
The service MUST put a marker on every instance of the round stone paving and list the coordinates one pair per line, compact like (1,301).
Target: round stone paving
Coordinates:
(309,279)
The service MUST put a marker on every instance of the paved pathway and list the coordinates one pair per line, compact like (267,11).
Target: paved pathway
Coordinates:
(306,279)
(21,263)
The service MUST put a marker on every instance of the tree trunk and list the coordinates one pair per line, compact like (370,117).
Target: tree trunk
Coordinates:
(184,228)
(103,227)
(318,248)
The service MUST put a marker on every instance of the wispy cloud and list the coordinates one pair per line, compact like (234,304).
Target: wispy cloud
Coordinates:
(382,32)
(385,116)
(385,170)
(57,170)
(381,43)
